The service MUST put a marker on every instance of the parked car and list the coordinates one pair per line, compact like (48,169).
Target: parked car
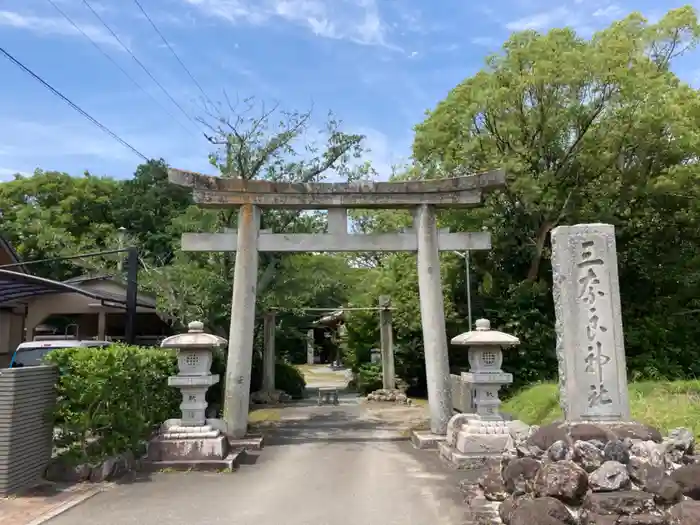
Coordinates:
(32,353)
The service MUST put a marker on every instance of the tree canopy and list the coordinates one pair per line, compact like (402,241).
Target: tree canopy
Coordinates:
(595,129)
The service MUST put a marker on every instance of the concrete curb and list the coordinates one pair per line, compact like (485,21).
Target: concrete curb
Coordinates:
(60,509)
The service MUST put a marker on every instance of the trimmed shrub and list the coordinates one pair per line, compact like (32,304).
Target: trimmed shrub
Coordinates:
(289,379)
(369,378)
(111,399)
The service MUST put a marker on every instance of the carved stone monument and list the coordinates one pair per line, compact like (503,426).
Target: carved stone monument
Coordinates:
(474,438)
(590,345)
(192,441)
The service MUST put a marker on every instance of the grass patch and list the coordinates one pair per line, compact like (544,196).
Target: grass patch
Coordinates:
(264,415)
(662,404)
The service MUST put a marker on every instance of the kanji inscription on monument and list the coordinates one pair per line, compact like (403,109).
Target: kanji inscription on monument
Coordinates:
(590,344)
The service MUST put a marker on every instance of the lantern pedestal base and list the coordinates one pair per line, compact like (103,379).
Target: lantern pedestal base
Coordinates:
(229,463)
(474,441)
(182,447)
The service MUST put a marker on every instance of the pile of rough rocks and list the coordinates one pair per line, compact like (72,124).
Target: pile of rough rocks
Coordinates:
(391,396)
(589,474)
(61,469)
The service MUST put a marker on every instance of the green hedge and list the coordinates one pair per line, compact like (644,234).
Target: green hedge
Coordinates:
(287,378)
(290,379)
(111,399)
(369,378)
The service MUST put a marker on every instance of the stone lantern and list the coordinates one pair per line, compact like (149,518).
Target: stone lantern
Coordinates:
(192,440)
(194,358)
(485,347)
(475,438)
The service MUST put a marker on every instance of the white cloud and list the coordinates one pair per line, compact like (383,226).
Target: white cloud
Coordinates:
(46,25)
(384,153)
(609,12)
(9,173)
(75,145)
(583,17)
(20,138)
(356,20)
(539,21)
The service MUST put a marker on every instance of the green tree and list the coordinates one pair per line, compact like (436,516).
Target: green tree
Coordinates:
(255,142)
(589,130)
(51,214)
(146,205)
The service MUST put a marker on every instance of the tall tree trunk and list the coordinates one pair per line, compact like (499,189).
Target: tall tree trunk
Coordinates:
(542,233)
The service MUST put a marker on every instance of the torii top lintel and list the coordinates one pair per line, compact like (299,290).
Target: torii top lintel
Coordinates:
(458,192)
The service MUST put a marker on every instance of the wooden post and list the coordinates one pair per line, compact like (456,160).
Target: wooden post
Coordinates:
(386,335)
(101,325)
(310,347)
(268,384)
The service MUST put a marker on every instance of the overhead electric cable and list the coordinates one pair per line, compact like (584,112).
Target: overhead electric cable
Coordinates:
(106,26)
(165,41)
(108,57)
(72,104)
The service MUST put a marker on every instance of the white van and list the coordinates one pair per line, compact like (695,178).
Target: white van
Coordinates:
(32,353)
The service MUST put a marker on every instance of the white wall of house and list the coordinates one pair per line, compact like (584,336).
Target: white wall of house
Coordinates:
(11,333)
(42,307)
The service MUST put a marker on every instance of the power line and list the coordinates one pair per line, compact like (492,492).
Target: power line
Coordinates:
(72,104)
(126,74)
(106,26)
(165,41)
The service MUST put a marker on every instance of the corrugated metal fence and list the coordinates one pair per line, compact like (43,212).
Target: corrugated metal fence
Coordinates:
(27,400)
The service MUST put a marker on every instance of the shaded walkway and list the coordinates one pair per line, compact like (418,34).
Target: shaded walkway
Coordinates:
(321,465)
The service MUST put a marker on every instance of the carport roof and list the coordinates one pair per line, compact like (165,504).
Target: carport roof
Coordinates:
(16,286)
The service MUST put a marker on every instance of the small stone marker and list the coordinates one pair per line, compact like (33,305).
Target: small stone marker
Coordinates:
(590,345)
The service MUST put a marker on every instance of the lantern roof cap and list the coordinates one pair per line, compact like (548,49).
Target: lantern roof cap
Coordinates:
(195,337)
(484,336)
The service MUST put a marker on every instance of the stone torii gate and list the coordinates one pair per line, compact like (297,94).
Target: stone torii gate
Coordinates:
(423,197)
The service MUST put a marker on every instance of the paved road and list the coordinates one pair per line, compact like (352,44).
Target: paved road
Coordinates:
(324,466)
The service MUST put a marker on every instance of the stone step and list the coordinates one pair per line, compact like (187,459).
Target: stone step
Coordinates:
(230,462)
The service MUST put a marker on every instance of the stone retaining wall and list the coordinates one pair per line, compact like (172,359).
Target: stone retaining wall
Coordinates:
(27,400)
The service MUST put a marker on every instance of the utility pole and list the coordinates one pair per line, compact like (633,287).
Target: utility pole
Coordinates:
(467,265)
(132,286)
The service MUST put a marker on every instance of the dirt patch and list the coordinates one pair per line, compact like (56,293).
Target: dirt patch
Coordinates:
(405,418)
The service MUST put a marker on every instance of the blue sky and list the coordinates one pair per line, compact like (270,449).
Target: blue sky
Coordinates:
(377,64)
